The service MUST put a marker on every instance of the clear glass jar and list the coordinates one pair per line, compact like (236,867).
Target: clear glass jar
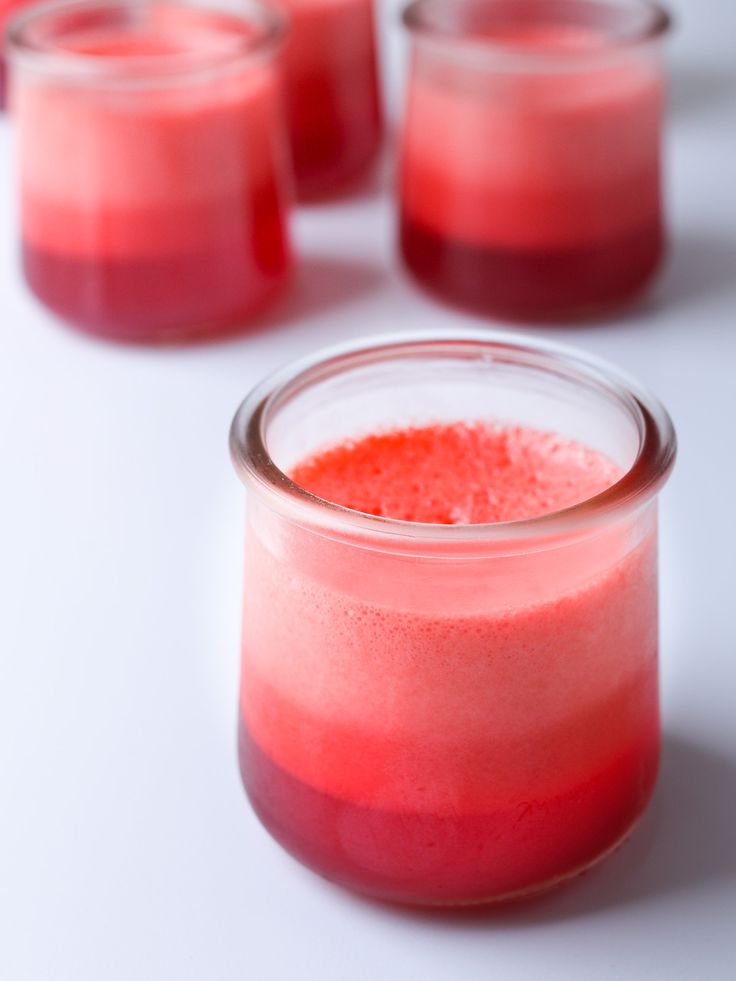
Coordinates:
(530,161)
(449,714)
(332,93)
(154,173)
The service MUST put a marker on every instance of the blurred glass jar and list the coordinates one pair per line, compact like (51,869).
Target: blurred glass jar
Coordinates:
(332,92)
(153,163)
(530,160)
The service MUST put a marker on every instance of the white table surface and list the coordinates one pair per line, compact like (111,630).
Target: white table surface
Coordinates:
(127,850)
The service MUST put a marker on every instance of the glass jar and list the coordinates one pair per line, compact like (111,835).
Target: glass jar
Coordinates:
(530,160)
(153,163)
(331,87)
(445,714)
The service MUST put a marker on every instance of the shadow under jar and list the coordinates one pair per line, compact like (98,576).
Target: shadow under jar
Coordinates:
(332,92)
(530,175)
(449,684)
(153,164)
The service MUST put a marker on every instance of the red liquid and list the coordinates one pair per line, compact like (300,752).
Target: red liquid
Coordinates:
(439,858)
(162,215)
(427,735)
(167,295)
(531,284)
(533,195)
(331,88)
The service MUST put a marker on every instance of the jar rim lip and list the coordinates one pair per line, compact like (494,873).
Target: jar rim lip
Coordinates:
(644,478)
(270,29)
(656,22)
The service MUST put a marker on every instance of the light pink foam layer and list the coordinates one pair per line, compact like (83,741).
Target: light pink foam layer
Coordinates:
(532,161)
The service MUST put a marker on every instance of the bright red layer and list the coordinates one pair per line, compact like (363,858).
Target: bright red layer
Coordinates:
(460,764)
(530,217)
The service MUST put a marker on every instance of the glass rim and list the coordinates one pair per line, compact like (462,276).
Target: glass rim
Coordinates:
(416,17)
(136,71)
(643,479)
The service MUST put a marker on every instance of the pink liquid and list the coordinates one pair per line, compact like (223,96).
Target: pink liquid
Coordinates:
(163,214)
(331,92)
(429,737)
(533,195)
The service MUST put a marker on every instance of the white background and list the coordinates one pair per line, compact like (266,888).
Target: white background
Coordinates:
(127,850)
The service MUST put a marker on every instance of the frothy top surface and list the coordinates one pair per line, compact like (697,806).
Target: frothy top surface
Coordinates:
(463,473)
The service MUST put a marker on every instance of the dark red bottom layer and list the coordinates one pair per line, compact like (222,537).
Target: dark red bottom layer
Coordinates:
(536,285)
(177,297)
(434,859)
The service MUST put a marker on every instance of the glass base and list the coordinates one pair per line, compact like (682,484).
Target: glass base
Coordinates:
(151,301)
(538,891)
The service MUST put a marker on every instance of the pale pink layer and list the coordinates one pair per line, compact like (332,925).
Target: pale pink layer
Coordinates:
(532,161)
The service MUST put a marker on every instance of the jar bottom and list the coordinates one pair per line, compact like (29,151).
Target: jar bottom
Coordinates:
(527,284)
(543,888)
(513,853)
(191,298)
